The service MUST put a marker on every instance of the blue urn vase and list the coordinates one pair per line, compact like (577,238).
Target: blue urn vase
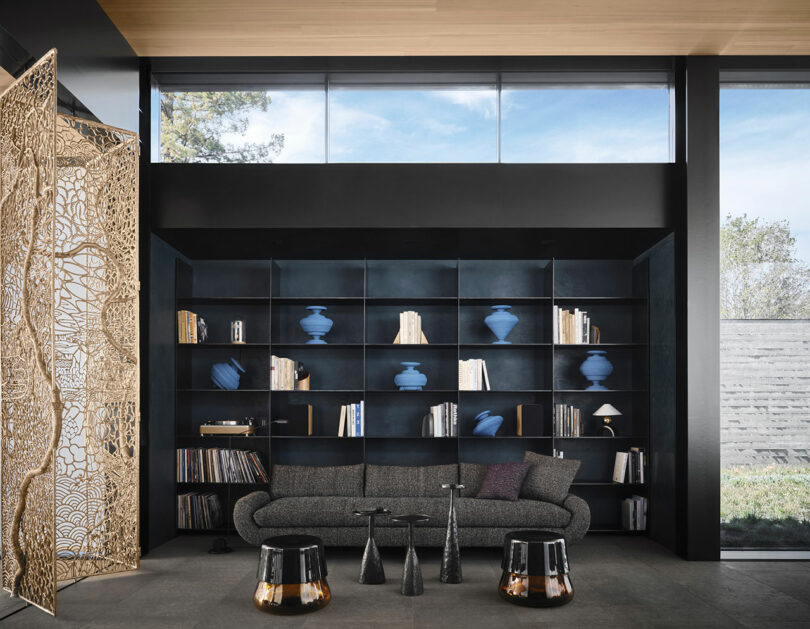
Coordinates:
(486,425)
(596,368)
(226,375)
(316,325)
(501,323)
(410,379)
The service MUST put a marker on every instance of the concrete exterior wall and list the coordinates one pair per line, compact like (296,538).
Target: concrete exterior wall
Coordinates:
(765,392)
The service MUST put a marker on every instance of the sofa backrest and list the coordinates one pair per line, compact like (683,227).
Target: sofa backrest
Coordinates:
(304,480)
(391,481)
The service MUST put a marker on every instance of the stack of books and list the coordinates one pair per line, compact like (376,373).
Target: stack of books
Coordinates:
(410,329)
(445,419)
(283,374)
(352,420)
(219,465)
(199,510)
(186,327)
(629,466)
(567,421)
(573,328)
(472,375)
(634,513)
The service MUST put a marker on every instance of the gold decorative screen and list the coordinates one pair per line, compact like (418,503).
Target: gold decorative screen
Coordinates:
(69,342)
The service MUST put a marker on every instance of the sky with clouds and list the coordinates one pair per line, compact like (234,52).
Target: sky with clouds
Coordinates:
(765,134)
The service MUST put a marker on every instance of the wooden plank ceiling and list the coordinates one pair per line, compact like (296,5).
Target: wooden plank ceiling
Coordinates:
(462,27)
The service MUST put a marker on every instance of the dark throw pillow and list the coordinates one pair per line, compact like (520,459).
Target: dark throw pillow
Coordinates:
(503,481)
(549,478)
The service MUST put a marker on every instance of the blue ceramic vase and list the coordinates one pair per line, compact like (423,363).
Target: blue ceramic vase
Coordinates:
(596,368)
(501,323)
(487,425)
(226,375)
(410,379)
(316,325)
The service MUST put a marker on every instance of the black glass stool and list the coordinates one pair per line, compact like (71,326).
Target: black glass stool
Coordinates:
(292,575)
(535,569)
(411,572)
(371,570)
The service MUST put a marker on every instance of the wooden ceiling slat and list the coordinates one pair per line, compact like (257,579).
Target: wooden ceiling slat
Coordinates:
(462,27)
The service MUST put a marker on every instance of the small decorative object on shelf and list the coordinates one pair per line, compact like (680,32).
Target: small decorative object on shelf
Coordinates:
(535,569)
(487,425)
(501,323)
(226,375)
(529,420)
(607,412)
(302,377)
(411,572)
(410,329)
(596,368)
(292,575)
(451,556)
(316,325)
(228,427)
(202,330)
(410,378)
(427,425)
(371,568)
(238,332)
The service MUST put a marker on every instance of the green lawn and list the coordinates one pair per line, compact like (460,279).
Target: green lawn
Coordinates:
(767,506)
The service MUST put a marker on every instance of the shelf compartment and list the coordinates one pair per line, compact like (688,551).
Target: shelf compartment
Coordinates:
(330,368)
(611,278)
(185,303)
(411,451)
(533,326)
(485,279)
(633,406)
(307,451)
(503,403)
(326,278)
(629,369)
(521,369)
(401,415)
(619,323)
(347,327)
(439,321)
(486,451)
(325,408)
(316,301)
(218,318)
(439,364)
(407,279)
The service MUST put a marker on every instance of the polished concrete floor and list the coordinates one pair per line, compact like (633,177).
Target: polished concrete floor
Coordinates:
(619,582)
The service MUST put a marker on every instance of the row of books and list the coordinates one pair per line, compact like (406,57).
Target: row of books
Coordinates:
(445,419)
(410,328)
(283,374)
(199,510)
(352,420)
(629,466)
(634,513)
(187,327)
(572,328)
(219,465)
(472,375)
(567,421)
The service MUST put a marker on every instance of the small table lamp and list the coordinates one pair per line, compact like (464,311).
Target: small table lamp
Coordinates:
(607,412)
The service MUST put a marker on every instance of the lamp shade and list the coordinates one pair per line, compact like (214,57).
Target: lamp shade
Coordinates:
(607,410)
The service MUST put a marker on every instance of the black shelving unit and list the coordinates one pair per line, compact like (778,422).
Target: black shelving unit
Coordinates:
(359,361)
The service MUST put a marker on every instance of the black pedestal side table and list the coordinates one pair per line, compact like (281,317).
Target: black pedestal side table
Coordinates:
(451,556)
(371,570)
(411,572)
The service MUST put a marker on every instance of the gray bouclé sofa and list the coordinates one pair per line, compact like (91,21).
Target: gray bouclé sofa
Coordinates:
(321,501)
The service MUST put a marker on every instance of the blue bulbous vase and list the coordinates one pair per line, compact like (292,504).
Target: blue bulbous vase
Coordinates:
(501,323)
(410,379)
(226,375)
(596,368)
(316,325)
(486,425)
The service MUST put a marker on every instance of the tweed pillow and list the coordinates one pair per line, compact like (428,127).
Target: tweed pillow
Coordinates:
(471,475)
(392,481)
(549,478)
(291,481)
(503,481)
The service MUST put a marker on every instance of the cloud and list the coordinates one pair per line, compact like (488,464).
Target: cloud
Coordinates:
(480,101)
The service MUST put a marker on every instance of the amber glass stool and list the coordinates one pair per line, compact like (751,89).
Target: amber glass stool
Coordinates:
(292,575)
(535,569)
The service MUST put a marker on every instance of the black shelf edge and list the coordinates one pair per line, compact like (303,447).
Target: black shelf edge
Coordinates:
(597,437)
(558,299)
(600,392)
(314,301)
(223,345)
(410,346)
(410,300)
(489,392)
(216,531)
(211,482)
(496,437)
(503,300)
(417,437)
(397,391)
(223,390)
(236,301)
(198,436)
(586,483)
(597,345)
(302,345)
(316,391)
(312,437)
(619,531)
(502,345)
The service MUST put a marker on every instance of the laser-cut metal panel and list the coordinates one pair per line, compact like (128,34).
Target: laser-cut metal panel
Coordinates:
(70,344)
(96,336)
(30,406)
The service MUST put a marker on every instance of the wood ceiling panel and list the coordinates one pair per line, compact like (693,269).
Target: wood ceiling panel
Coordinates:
(462,27)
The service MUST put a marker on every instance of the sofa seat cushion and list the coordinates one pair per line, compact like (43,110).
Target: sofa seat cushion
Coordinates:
(528,514)
(473,512)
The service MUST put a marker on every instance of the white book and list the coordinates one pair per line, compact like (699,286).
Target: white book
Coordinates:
(418,329)
(342,426)
(362,418)
(486,375)
(620,467)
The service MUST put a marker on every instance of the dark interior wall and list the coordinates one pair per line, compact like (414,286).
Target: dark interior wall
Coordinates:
(96,64)
(158,503)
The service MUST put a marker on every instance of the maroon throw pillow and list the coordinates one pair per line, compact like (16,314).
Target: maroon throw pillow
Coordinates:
(503,481)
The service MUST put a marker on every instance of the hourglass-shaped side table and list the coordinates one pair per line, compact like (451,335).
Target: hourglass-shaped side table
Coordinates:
(411,572)
(371,570)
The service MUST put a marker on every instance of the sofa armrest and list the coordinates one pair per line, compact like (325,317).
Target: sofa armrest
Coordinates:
(243,519)
(580,517)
